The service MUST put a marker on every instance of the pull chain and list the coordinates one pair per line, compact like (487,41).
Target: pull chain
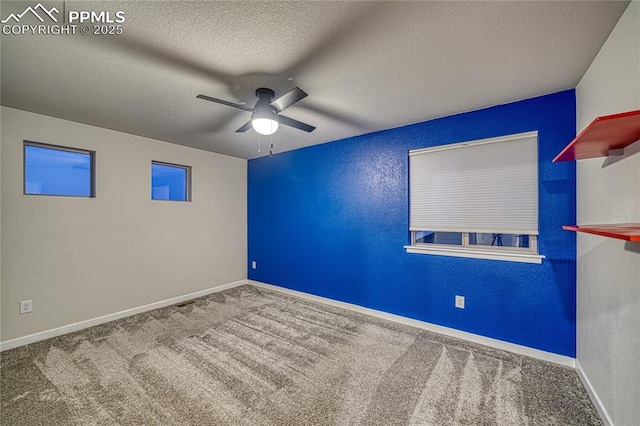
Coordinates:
(271,150)
(259,144)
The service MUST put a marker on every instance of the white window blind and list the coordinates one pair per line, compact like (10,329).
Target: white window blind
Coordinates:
(489,185)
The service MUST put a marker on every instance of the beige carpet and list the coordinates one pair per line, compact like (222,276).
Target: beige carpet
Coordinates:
(249,356)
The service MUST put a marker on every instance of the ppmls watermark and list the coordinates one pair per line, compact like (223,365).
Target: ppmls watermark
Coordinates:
(53,18)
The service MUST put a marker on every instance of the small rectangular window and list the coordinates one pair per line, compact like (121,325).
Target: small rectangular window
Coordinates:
(57,170)
(498,240)
(170,182)
(431,237)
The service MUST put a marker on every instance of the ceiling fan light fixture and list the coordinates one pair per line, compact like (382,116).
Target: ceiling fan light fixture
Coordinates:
(264,126)
(264,121)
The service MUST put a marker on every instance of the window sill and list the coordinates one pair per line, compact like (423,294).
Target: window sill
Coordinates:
(477,254)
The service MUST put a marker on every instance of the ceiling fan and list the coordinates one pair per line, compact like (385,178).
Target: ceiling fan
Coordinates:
(265,115)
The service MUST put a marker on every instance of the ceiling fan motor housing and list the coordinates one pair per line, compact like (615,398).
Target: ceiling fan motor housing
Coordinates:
(265,95)
(263,108)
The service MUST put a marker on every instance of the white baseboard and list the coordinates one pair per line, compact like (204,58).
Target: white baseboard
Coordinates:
(597,402)
(65,329)
(487,341)
(499,344)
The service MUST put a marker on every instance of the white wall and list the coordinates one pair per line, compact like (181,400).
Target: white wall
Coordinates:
(0,227)
(608,305)
(81,258)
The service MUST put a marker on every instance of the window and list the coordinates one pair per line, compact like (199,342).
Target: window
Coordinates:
(476,199)
(57,170)
(170,182)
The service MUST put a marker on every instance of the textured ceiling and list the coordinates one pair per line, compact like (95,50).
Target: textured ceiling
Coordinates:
(367,66)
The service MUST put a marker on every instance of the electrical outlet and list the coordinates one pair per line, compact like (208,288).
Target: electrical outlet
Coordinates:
(460,302)
(26,306)
(254,265)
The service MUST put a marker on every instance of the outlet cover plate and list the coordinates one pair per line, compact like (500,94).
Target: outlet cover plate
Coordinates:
(460,302)
(26,306)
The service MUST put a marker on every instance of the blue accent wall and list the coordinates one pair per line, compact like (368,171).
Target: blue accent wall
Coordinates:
(332,220)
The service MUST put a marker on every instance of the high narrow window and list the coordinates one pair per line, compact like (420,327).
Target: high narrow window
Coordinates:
(170,182)
(57,170)
(476,199)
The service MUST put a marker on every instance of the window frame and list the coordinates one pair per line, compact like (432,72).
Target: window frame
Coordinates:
(517,254)
(188,185)
(92,165)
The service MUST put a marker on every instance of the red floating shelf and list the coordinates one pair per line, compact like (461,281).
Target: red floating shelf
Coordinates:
(604,134)
(622,231)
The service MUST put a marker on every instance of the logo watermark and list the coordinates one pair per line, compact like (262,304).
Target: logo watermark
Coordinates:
(33,11)
(56,19)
